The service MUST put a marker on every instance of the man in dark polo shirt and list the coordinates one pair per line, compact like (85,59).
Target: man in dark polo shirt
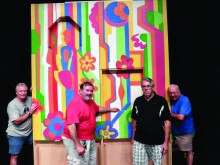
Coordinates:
(151,125)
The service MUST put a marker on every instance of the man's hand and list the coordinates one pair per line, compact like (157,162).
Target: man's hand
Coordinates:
(164,148)
(115,109)
(106,110)
(33,108)
(80,149)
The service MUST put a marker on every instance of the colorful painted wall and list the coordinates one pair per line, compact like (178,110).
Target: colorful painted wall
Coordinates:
(112,44)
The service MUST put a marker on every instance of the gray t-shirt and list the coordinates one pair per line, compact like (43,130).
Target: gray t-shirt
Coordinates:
(15,110)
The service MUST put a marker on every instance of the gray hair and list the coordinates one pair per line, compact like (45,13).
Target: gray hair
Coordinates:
(175,86)
(151,81)
(20,84)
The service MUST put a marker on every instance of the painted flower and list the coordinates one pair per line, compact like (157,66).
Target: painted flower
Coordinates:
(54,124)
(120,11)
(108,132)
(40,108)
(123,66)
(87,62)
(92,81)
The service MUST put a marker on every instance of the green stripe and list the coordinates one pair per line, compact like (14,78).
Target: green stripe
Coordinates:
(147,57)
(160,10)
(120,42)
(85,29)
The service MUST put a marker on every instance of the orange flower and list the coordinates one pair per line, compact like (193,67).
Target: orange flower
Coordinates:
(40,107)
(87,62)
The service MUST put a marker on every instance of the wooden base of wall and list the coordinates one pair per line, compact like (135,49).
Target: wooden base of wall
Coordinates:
(109,152)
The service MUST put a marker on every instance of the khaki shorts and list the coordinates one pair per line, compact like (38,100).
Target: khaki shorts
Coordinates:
(73,156)
(185,142)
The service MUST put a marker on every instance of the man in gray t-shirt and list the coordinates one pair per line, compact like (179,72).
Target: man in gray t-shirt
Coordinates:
(19,130)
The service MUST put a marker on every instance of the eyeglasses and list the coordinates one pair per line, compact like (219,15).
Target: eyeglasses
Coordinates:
(146,86)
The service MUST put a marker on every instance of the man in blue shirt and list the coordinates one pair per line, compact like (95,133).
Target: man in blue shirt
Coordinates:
(182,121)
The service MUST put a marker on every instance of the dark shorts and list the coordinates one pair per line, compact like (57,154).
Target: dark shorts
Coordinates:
(16,143)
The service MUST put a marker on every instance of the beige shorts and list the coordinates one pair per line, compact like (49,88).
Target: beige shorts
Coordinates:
(185,142)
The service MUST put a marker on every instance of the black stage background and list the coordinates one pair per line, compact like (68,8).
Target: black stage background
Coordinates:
(194,48)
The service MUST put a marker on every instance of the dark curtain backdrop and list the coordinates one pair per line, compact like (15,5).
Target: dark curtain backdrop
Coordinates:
(194,48)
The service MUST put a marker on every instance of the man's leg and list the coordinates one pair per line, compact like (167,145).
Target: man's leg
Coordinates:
(15,147)
(185,144)
(140,156)
(14,160)
(72,154)
(189,157)
(155,153)
(91,147)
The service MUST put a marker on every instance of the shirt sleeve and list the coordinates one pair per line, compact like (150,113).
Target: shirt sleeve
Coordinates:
(185,107)
(134,113)
(72,113)
(166,112)
(13,112)
(96,107)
